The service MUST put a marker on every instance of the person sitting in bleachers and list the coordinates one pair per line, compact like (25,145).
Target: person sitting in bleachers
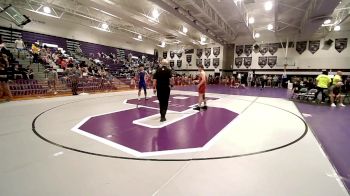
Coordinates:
(335,94)
(4,79)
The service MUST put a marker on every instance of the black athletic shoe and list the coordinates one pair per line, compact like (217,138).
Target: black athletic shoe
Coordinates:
(197,108)
(162,119)
(205,107)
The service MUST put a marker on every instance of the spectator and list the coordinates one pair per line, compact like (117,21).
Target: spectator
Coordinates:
(19,46)
(322,83)
(4,87)
(52,77)
(336,95)
(337,78)
(35,52)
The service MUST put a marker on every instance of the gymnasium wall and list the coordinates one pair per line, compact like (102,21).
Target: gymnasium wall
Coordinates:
(324,58)
(191,68)
(67,28)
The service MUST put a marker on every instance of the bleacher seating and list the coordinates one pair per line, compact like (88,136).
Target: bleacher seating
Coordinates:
(26,87)
(30,37)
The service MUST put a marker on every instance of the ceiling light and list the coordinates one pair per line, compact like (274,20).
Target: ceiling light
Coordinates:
(251,20)
(155,13)
(104,26)
(327,21)
(270,27)
(138,38)
(184,29)
(203,39)
(47,10)
(257,35)
(162,44)
(337,28)
(268,6)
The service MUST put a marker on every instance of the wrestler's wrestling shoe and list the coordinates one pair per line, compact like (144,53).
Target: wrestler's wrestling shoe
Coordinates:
(197,108)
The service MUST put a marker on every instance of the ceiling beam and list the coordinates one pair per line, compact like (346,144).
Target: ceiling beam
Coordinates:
(175,11)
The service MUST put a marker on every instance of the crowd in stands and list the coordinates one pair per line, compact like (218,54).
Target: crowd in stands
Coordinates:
(11,70)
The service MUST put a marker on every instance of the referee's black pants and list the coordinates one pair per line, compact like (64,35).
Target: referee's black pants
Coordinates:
(163,98)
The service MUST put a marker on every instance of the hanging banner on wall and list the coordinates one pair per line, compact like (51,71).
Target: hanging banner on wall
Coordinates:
(165,54)
(179,55)
(314,46)
(207,52)
(262,61)
(172,54)
(216,62)
(272,61)
(189,51)
(238,62)
(273,48)
(172,63)
(216,51)
(239,50)
(301,47)
(207,63)
(188,58)
(341,44)
(199,62)
(248,50)
(247,62)
(263,49)
(199,53)
(179,63)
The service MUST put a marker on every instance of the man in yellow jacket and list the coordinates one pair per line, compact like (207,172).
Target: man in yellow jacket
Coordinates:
(322,83)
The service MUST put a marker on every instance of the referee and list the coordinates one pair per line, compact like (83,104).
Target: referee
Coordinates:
(162,85)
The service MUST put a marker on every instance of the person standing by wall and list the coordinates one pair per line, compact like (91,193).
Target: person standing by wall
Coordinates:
(322,83)
(161,87)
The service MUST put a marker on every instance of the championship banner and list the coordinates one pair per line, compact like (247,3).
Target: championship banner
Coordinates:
(263,49)
(172,54)
(188,58)
(216,62)
(239,50)
(165,54)
(199,53)
(301,47)
(189,51)
(179,55)
(248,50)
(273,48)
(207,52)
(216,52)
(179,63)
(314,46)
(238,62)
(272,61)
(341,44)
(247,62)
(172,63)
(199,62)
(262,61)
(207,63)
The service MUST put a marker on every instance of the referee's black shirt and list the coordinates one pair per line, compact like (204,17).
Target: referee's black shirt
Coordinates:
(162,75)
